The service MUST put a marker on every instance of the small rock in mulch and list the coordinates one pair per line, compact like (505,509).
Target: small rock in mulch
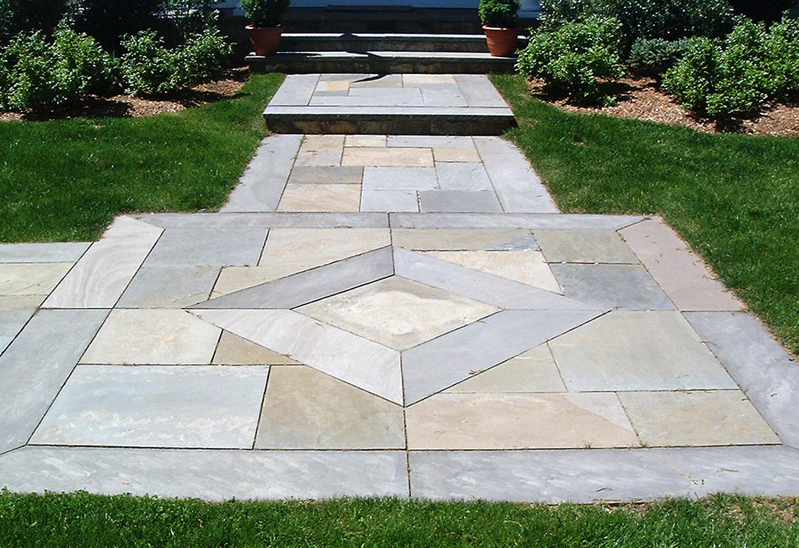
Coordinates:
(641,98)
(125,106)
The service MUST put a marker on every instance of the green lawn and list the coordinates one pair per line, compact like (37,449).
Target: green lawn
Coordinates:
(88,520)
(735,198)
(67,179)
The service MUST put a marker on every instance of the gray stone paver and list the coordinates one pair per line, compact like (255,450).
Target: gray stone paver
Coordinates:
(457,344)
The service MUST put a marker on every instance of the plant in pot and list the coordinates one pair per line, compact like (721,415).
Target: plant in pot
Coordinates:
(264,28)
(498,19)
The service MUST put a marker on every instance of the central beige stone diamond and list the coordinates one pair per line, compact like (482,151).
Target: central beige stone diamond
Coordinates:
(397,312)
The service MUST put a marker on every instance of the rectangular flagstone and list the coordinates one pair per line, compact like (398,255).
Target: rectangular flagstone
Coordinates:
(389,200)
(443,96)
(480,286)
(717,417)
(399,178)
(531,371)
(66,252)
(262,184)
(460,239)
(169,286)
(455,155)
(134,337)
(353,359)
(584,246)
(454,357)
(310,285)
(681,273)
(104,271)
(331,175)
(387,157)
(393,100)
(34,367)
(211,475)
(461,201)
(365,141)
(322,142)
(585,476)
(318,158)
(306,409)
(296,89)
(515,181)
(462,176)
(31,278)
(519,421)
(321,197)
(762,367)
(479,91)
(540,221)
(162,406)
(637,351)
(429,141)
(208,247)
(627,287)
(267,220)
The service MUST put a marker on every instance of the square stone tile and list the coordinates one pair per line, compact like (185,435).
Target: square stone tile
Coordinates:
(318,158)
(389,200)
(306,409)
(31,278)
(235,350)
(323,198)
(521,265)
(532,371)
(673,419)
(292,250)
(637,351)
(315,143)
(180,406)
(387,157)
(443,95)
(399,178)
(584,246)
(518,421)
(208,247)
(134,337)
(397,313)
(169,287)
(330,175)
(367,141)
(456,155)
(459,239)
(459,201)
(628,287)
(462,176)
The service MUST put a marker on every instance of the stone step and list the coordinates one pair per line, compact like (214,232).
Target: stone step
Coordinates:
(364,42)
(381,62)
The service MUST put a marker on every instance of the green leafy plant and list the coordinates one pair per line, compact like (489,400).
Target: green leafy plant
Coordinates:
(265,13)
(499,13)
(38,74)
(655,56)
(109,20)
(149,67)
(573,56)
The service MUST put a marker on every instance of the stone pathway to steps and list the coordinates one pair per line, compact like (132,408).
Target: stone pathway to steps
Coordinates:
(387,315)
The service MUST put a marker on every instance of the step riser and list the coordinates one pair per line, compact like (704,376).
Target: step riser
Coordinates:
(366,125)
(380,66)
(472,46)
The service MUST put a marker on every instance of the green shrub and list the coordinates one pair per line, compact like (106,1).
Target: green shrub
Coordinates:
(149,67)
(265,13)
(783,56)
(665,19)
(109,20)
(187,17)
(574,55)
(499,13)
(725,78)
(39,74)
(655,56)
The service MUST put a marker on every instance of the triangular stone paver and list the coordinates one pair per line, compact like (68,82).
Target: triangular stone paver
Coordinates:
(235,350)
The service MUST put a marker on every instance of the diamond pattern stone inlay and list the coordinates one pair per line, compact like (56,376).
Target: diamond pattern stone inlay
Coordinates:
(398,313)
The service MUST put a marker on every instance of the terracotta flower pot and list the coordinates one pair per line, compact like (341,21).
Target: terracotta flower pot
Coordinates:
(264,40)
(501,41)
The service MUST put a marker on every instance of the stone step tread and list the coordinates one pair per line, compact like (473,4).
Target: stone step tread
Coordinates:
(306,112)
(392,55)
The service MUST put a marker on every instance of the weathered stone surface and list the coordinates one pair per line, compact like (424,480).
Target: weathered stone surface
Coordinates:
(66,252)
(31,278)
(459,201)
(321,197)
(156,406)
(531,371)
(315,175)
(470,176)
(389,200)
(584,246)
(523,266)
(306,409)
(460,239)
(169,287)
(235,350)
(388,157)
(628,287)
(399,178)
(208,247)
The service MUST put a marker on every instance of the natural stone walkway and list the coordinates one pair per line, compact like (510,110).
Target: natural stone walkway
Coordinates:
(387,315)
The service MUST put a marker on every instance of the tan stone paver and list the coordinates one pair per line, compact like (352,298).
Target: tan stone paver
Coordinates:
(387,157)
(325,198)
